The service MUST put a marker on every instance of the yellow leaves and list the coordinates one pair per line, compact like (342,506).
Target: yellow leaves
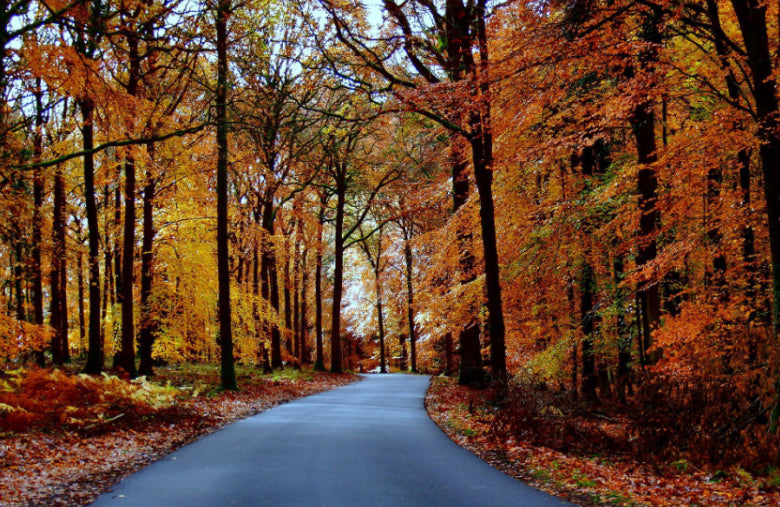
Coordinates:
(17,337)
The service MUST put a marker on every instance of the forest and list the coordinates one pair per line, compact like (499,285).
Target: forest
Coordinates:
(571,206)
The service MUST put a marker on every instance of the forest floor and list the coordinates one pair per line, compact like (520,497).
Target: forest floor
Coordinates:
(66,438)
(470,419)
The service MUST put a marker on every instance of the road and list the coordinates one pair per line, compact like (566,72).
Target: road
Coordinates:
(369,443)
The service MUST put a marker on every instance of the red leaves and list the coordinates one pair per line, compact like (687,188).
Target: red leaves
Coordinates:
(70,464)
(594,477)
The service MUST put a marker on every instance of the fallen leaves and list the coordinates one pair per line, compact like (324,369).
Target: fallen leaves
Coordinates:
(467,416)
(72,464)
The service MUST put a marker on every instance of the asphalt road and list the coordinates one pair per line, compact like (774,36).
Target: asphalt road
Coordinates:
(369,443)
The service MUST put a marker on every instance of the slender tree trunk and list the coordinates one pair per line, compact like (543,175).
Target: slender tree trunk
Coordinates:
(95,358)
(304,325)
(127,351)
(58,303)
(37,268)
(410,303)
(117,294)
(125,281)
(589,379)
(228,373)
(288,322)
(381,321)
(270,273)
(147,321)
(82,316)
(338,272)
(319,363)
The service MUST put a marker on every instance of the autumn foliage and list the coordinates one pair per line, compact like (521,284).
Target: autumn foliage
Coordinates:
(575,203)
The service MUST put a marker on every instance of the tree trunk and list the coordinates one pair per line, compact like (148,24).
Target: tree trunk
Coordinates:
(58,308)
(381,323)
(95,358)
(228,374)
(288,325)
(338,272)
(126,280)
(319,363)
(410,303)
(643,127)
(482,152)
(37,268)
(147,321)
(471,371)
(270,274)
(82,316)
(304,324)
(587,317)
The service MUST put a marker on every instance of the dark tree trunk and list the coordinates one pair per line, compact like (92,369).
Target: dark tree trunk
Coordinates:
(82,316)
(589,380)
(58,308)
(410,303)
(147,322)
(643,128)
(127,352)
(296,305)
(304,324)
(471,371)
(482,155)
(449,360)
(95,358)
(381,323)
(319,363)
(125,281)
(117,294)
(228,373)
(270,274)
(338,272)
(37,268)
(288,325)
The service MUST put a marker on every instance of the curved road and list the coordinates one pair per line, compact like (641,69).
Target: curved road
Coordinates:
(369,443)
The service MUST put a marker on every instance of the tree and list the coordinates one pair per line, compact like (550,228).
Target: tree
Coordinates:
(228,374)
(462,30)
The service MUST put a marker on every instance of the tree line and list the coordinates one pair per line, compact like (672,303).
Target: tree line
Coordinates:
(578,191)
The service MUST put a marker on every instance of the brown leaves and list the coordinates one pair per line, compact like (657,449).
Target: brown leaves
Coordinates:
(63,467)
(594,478)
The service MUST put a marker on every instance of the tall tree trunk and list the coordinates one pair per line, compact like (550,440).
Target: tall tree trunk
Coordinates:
(82,316)
(126,281)
(270,273)
(589,379)
(95,357)
(117,294)
(288,331)
(37,268)
(58,308)
(319,363)
(147,321)
(643,127)
(410,302)
(228,374)
(471,370)
(743,156)
(482,153)
(338,272)
(304,324)
(381,321)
